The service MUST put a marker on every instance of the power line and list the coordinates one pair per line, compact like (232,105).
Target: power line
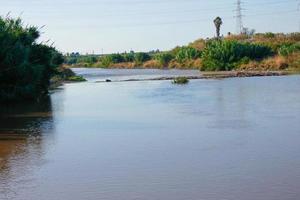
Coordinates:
(198,20)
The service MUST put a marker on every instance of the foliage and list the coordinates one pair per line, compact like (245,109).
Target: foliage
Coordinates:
(226,55)
(187,53)
(180,80)
(128,57)
(76,79)
(141,57)
(164,58)
(25,65)
(286,50)
(116,58)
(275,41)
(269,35)
(88,59)
(233,51)
(74,58)
(106,61)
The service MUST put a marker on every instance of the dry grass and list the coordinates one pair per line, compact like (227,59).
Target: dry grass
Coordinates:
(294,61)
(241,37)
(123,65)
(188,64)
(198,44)
(152,64)
(272,63)
(291,62)
(269,39)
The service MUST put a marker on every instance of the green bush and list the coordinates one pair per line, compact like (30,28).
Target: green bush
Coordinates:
(269,35)
(128,57)
(116,58)
(26,65)
(106,61)
(164,58)
(226,55)
(286,50)
(180,80)
(139,58)
(111,59)
(187,53)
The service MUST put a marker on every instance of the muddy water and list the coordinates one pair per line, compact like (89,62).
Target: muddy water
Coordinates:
(211,139)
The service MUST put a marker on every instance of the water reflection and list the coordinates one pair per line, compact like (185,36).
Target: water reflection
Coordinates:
(23,130)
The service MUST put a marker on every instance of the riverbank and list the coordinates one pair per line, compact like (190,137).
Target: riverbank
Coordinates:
(259,52)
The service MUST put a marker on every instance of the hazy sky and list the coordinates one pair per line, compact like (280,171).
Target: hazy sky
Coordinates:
(143,25)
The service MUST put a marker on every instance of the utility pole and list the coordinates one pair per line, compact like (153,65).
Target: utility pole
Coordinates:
(239,17)
(299,12)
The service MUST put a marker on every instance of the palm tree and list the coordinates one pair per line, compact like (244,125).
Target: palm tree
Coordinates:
(218,22)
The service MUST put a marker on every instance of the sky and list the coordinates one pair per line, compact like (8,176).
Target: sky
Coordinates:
(111,26)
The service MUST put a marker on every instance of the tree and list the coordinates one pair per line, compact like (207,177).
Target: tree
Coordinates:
(26,65)
(141,57)
(218,22)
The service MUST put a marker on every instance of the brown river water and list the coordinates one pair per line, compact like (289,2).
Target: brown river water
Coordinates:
(229,139)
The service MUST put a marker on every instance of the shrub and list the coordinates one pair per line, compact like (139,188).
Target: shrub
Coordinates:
(139,58)
(286,50)
(187,53)
(152,64)
(26,66)
(116,58)
(271,63)
(269,35)
(86,59)
(180,80)
(106,61)
(226,55)
(164,58)
(128,57)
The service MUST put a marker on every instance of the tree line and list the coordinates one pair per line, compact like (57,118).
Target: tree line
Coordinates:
(233,52)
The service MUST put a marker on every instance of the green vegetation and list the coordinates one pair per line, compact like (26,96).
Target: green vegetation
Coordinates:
(226,55)
(164,58)
(247,51)
(76,79)
(26,66)
(187,53)
(286,50)
(140,58)
(180,80)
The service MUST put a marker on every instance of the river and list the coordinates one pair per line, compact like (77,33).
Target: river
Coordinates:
(227,139)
